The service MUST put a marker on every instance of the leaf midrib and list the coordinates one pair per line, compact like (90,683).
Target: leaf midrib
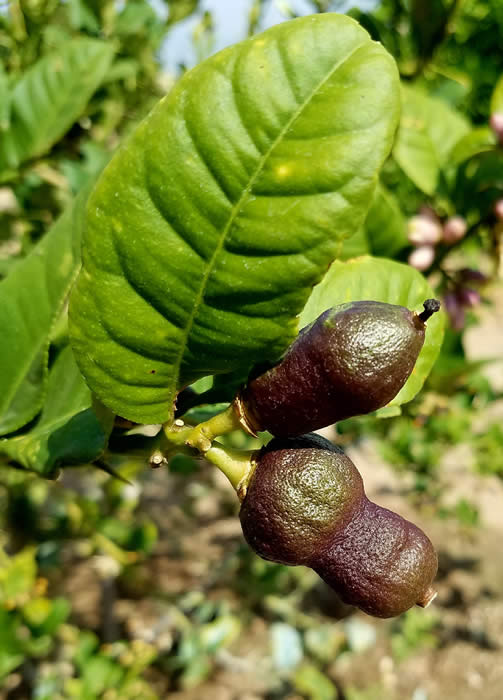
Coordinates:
(237,208)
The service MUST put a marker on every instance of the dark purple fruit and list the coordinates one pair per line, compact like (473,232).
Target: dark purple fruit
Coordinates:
(352,360)
(305,504)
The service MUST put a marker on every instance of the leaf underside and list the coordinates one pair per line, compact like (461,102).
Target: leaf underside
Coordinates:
(210,226)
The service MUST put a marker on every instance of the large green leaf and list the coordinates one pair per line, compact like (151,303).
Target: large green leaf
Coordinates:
(428,130)
(50,97)
(208,229)
(68,430)
(384,280)
(31,300)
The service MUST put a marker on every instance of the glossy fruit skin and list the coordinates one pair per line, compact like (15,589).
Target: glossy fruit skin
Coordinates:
(352,360)
(305,504)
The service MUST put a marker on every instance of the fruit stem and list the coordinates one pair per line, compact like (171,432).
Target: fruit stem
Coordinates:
(203,434)
(431,306)
(169,442)
(427,598)
(235,464)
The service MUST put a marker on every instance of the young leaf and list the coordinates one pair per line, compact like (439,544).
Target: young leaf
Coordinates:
(50,97)
(384,280)
(68,430)
(208,229)
(31,299)
(428,130)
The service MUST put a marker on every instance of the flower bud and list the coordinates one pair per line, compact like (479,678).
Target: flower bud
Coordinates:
(454,229)
(422,257)
(498,209)
(424,230)
(496,124)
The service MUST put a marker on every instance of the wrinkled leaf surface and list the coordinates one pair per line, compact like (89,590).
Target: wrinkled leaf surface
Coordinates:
(210,226)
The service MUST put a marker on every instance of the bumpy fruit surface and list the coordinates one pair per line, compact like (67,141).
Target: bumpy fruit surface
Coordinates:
(305,504)
(352,360)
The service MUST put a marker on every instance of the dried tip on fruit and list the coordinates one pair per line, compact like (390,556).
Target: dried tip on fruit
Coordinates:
(431,306)
(427,598)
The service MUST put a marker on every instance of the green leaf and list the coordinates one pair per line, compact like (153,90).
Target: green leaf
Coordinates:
(476,141)
(46,615)
(11,646)
(17,575)
(385,225)
(51,96)
(68,431)
(356,246)
(180,9)
(384,232)
(31,300)
(428,130)
(5,100)
(388,281)
(497,97)
(208,229)
(313,684)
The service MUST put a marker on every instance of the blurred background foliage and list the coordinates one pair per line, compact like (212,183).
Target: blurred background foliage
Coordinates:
(116,582)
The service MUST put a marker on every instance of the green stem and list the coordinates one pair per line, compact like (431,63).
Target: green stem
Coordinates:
(237,465)
(203,434)
(171,441)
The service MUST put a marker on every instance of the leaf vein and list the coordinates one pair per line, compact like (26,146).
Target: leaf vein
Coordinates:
(237,208)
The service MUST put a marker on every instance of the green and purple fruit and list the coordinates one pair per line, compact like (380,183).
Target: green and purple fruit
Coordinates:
(305,504)
(352,360)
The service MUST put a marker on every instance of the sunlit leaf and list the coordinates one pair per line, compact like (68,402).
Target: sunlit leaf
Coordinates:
(50,97)
(208,229)
(31,300)
(428,130)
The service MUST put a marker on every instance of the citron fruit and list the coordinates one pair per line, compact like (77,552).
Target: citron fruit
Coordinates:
(352,360)
(305,504)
